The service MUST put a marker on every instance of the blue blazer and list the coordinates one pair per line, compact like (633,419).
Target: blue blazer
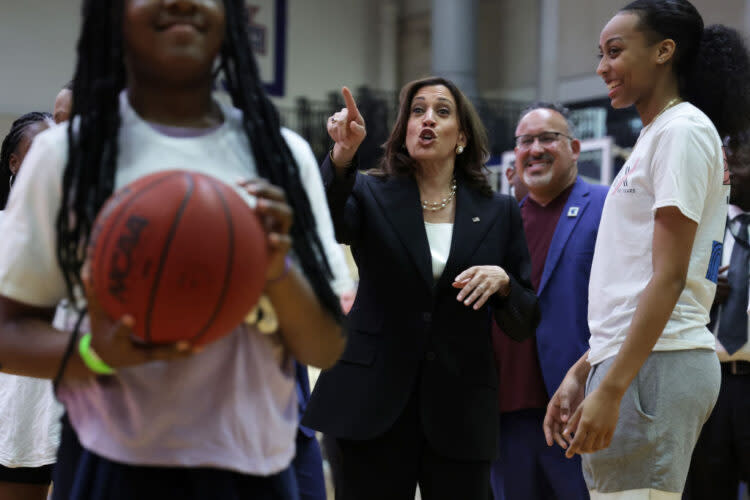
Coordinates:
(563,333)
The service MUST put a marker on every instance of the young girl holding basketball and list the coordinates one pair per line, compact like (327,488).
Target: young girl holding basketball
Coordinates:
(635,403)
(171,422)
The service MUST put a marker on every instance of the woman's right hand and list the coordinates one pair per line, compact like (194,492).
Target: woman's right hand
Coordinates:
(347,130)
(561,407)
(114,341)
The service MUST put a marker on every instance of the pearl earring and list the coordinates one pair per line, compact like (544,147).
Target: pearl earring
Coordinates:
(459,150)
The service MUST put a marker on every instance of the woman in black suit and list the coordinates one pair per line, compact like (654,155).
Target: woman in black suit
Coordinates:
(414,397)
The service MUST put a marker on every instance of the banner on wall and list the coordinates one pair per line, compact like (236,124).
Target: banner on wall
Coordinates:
(267,27)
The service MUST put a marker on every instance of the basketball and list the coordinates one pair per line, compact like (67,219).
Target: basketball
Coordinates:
(181,252)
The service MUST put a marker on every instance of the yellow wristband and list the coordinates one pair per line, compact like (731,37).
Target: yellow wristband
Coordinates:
(91,359)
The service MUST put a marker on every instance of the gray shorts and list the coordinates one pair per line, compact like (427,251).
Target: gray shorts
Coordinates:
(661,416)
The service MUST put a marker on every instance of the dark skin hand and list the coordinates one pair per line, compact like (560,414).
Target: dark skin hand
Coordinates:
(311,334)
(277,217)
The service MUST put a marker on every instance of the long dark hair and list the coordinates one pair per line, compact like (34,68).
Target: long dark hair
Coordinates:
(711,64)
(93,142)
(10,145)
(469,164)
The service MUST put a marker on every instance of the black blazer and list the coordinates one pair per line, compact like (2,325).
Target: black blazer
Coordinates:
(408,333)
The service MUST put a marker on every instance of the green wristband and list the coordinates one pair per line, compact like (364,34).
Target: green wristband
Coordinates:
(91,359)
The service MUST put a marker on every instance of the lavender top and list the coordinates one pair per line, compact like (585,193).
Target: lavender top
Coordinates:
(233,406)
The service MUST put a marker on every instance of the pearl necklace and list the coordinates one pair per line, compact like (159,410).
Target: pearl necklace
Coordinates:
(435,206)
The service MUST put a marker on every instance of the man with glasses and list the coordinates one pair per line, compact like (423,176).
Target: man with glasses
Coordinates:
(721,458)
(561,218)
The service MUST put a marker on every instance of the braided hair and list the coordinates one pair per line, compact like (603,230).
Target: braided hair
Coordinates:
(89,175)
(18,131)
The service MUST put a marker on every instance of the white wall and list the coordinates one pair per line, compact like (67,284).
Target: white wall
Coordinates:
(38,48)
(330,43)
(508,44)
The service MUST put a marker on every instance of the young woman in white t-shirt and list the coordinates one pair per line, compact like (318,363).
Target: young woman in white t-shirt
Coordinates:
(171,422)
(29,414)
(635,403)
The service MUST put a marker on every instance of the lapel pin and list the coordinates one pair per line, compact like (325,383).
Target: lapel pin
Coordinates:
(475,219)
(573,212)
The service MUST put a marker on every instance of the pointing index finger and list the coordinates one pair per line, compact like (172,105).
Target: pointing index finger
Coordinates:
(351,106)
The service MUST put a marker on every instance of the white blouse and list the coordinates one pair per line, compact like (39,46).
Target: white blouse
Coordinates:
(439,237)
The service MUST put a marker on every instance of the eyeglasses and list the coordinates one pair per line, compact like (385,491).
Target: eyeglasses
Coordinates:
(545,139)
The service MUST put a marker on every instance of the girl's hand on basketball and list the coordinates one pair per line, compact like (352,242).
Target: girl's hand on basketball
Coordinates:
(593,424)
(277,217)
(561,406)
(114,341)
(347,130)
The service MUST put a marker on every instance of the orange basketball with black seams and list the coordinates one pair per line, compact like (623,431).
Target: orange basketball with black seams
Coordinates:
(181,252)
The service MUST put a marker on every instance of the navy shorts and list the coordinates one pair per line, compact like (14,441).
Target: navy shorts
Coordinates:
(83,475)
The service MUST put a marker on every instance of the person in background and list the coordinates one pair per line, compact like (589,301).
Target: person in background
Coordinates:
(561,218)
(518,188)
(63,103)
(15,146)
(29,413)
(721,458)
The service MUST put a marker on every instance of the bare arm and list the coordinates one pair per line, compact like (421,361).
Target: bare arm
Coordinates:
(594,421)
(311,334)
(30,346)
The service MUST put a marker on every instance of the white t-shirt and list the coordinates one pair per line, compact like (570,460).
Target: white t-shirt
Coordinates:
(677,161)
(232,406)
(29,419)
(29,422)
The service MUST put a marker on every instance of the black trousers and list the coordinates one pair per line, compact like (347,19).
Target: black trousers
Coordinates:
(391,465)
(721,458)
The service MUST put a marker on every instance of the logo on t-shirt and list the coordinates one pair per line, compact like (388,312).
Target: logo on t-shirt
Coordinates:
(715,262)
(623,185)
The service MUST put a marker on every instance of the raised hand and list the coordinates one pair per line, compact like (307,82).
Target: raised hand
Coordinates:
(347,130)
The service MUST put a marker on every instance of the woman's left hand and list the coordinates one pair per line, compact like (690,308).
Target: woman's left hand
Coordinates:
(593,424)
(276,216)
(479,283)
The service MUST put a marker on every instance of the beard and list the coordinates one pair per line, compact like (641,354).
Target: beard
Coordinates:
(538,180)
